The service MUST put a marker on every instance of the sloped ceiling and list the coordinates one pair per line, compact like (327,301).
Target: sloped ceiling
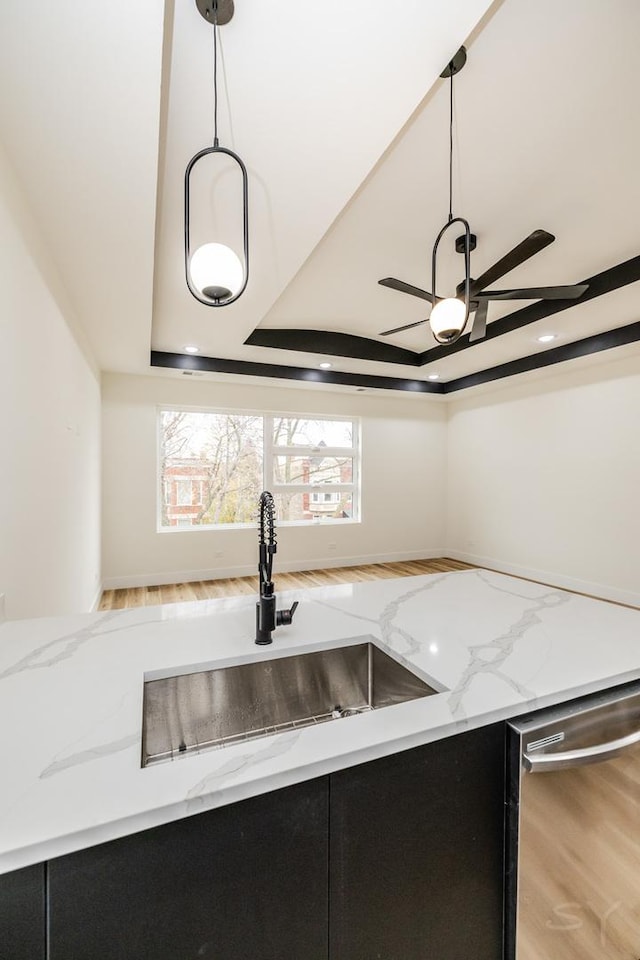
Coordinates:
(341,118)
(79,119)
(316,95)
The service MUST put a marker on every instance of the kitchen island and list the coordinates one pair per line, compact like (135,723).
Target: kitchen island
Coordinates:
(71,718)
(71,693)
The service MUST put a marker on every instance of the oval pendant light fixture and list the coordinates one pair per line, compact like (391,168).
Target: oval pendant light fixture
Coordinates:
(214,273)
(450,315)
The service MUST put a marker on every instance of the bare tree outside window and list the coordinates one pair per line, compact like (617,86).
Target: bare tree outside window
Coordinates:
(174,439)
(212,467)
(220,456)
(299,446)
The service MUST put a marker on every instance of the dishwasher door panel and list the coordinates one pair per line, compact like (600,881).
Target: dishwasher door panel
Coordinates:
(579,886)
(574,831)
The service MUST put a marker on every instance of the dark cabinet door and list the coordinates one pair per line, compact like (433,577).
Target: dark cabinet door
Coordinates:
(244,882)
(416,853)
(22,914)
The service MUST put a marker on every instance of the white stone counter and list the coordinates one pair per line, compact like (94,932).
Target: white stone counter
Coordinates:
(71,693)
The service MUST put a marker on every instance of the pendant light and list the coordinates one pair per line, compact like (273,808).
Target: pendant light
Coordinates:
(215,274)
(450,315)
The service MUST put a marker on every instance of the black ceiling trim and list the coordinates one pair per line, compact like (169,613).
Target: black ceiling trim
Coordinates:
(545,358)
(333,344)
(180,361)
(568,351)
(611,279)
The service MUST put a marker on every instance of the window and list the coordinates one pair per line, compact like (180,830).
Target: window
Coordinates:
(325,497)
(304,454)
(183,492)
(213,465)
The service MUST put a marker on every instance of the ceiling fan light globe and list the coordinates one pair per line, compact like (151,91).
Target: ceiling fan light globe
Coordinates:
(447,319)
(216,271)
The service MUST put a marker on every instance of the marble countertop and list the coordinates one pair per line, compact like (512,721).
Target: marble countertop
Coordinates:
(71,693)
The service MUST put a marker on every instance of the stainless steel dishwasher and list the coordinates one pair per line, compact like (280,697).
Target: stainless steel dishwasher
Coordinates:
(573,836)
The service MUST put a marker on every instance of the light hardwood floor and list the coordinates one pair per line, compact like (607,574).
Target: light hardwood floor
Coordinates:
(235,586)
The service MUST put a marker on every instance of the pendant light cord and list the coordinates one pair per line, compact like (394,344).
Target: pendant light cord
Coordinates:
(451,149)
(215,73)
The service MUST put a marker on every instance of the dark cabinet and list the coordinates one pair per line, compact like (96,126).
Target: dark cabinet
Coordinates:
(416,853)
(244,882)
(22,914)
(396,859)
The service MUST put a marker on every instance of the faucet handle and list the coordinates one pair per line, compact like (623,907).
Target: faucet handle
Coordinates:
(284,617)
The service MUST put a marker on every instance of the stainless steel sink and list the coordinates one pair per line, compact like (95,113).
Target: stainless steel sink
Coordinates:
(215,708)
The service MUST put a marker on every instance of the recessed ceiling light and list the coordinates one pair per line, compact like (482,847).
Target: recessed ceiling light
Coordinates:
(325,366)
(433,376)
(191,348)
(546,337)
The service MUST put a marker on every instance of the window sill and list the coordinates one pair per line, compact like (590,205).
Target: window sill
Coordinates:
(211,528)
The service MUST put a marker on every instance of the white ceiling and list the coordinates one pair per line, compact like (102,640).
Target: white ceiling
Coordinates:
(79,119)
(341,119)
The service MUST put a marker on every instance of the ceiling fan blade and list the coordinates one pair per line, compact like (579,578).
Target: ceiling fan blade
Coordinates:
(567,292)
(407,326)
(406,288)
(479,322)
(535,242)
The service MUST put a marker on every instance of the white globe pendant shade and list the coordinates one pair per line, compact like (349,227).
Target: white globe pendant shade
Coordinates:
(216,272)
(447,319)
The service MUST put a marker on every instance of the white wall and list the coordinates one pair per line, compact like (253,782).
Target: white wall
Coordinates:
(50,431)
(403,451)
(544,478)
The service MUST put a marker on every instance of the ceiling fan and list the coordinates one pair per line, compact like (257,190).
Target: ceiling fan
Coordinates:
(450,316)
(479,294)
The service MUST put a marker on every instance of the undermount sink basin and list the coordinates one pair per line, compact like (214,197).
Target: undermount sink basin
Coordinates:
(214,708)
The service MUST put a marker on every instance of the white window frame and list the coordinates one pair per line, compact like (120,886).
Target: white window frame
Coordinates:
(273,450)
(269,451)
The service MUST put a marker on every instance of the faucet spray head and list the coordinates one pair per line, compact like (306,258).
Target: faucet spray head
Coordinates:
(266,535)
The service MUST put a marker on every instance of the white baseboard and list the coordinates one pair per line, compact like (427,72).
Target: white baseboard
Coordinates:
(248,570)
(601,591)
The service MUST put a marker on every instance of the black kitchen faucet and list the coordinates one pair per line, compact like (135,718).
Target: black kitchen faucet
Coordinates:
(267,617)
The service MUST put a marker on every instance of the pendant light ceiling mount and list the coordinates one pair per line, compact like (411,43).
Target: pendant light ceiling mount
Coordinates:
(225,10)
(455,65)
